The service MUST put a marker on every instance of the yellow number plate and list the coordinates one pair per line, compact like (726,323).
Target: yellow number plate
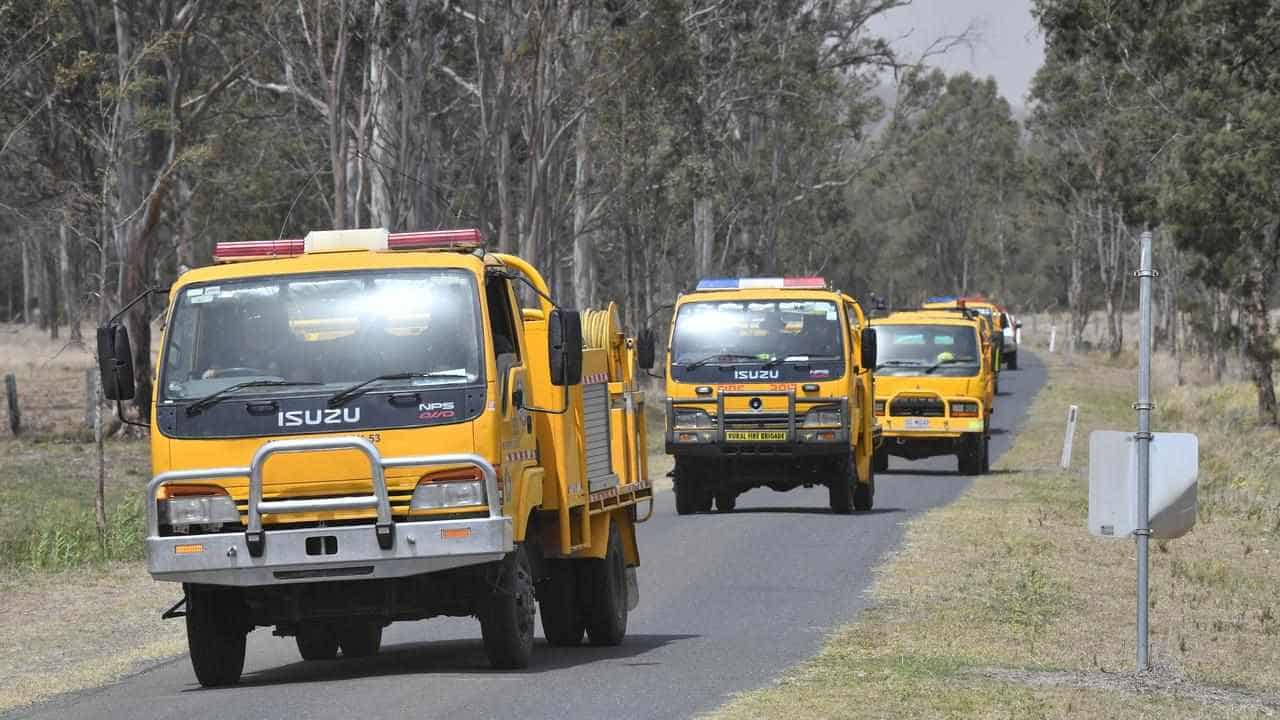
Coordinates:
(756,435)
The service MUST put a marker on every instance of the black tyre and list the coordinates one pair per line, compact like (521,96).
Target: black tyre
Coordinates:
(971,454)
(506,619)
(840,488)
(687,490)
(317,641)
(685,504)
(606,583)
(985,462)
(216,630)
(880,460)
(726,501)
(359,638)
(1012,362)
(562,618)
(703,500)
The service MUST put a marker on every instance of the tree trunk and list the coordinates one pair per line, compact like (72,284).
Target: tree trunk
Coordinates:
(70,286)
(583,238)
(48,293)
(382,156)
(1076,300)
(703,235)
(26,280)
(1259,351)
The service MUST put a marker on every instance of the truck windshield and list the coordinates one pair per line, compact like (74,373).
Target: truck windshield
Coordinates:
(719,341)
(331,330)
(948,350)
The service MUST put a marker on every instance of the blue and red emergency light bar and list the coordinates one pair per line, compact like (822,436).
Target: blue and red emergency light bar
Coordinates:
(790,283)
(465,239)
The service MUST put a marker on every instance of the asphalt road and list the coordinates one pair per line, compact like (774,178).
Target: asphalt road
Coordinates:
(727,603)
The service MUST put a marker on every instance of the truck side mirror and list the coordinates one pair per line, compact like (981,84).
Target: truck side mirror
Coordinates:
(115,362)
(645,351)
(868,359)
(564,347)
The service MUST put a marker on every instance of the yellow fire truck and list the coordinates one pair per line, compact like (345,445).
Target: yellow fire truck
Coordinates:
(769,384)
(994,318)
(935,388)
(364,427)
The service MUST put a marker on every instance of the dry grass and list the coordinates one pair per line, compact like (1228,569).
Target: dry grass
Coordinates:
(50,377)
(1002,604)
(79,629)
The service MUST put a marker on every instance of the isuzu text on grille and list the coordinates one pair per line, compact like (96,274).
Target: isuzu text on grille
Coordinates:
(329,416)
(755,374)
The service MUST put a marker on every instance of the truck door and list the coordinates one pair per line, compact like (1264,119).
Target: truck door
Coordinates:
(518,444)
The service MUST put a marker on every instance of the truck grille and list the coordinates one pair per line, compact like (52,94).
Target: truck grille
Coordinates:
(917,407)
(756,421)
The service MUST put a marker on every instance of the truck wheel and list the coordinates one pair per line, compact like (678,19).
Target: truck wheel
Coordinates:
(506,619)
(970,455)
(360,638)
(216,632)
(986,454)
(686,490)
(1012,364)
(840,488)
(684,497)
(562,620)
(880,460)
(316,641)
(607,587)
(726,501)
(704,499)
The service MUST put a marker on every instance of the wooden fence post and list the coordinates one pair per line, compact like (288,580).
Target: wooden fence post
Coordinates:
(11,394)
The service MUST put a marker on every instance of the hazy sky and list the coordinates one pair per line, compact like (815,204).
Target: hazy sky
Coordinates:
(1009,46)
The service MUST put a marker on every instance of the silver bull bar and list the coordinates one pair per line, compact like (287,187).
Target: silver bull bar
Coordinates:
(343,552)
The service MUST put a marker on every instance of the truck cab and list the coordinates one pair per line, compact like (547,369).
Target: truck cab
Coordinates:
(934,388)
(991,313)
(769,384)
(364,427)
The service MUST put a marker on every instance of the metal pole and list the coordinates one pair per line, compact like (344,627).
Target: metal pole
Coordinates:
(1143,438)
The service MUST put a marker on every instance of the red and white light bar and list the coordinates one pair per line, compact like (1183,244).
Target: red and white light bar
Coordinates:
(795,283)
(463,239)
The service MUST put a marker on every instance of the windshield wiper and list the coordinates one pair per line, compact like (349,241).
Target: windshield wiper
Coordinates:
(952,361)
(214,398)
(899,363)
(361,388)
(798,358)
(711,358)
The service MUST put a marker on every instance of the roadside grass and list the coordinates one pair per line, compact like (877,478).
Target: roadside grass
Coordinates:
(76,629)
(46,504)
(1002,605)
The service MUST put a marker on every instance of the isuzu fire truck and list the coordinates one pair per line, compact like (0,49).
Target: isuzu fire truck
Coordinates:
(363,427)
(769,384)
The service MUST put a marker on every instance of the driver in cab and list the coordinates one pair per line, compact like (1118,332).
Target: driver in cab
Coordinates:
(261,347)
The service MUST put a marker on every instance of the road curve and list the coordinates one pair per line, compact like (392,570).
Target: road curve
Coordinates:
(727,603)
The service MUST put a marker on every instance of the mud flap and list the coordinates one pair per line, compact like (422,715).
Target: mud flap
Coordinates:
(633,589)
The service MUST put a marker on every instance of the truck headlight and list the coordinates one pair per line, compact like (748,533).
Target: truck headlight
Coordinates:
(964,408)
(879,407)
(209,507)
(691,418)
(823,417)
(447,494)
